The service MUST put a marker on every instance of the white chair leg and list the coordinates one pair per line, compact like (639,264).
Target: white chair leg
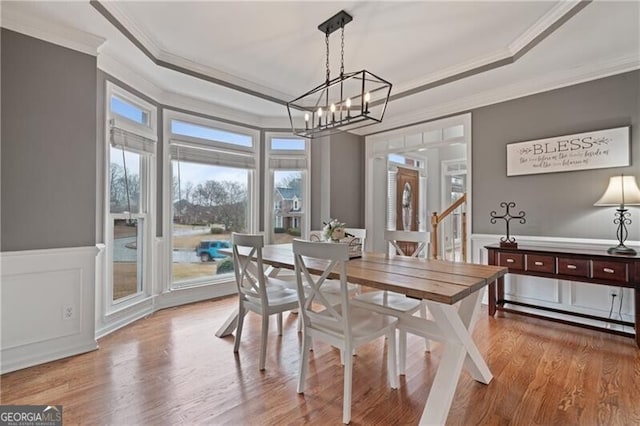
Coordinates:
(304,360)
(423,314)
(348,380)
(391,359)
(279,323)
(241,314)
(263,340)
(402,351)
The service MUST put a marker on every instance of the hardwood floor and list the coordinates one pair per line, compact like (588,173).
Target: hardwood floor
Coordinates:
(169,368)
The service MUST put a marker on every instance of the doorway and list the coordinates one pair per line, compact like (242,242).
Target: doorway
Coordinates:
(407,202)
(428,147)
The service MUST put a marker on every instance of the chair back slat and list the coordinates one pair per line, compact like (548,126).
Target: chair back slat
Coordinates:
(249,270)
(316,309)
(420,237)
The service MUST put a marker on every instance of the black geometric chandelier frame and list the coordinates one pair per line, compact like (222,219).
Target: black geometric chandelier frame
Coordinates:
(347,102)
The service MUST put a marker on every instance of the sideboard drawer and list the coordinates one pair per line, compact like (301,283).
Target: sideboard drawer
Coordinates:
(575,267)
(615,271)
(539,263)
(511,260)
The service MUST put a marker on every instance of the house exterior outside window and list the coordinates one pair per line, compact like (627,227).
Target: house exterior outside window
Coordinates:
(288,162)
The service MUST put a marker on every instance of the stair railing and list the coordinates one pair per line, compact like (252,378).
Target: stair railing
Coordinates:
(436,220)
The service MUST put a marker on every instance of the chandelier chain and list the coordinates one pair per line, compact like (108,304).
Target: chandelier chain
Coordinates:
(342,51)
(326,40)
(342,103)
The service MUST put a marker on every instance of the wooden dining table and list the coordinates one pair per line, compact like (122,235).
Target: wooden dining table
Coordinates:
(452,292)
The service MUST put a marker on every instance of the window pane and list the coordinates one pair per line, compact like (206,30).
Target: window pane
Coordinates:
(396,158)
(209,133)
(127,257)
(124,181)
(287,144)
(129,110)
(209,202)
(288,213)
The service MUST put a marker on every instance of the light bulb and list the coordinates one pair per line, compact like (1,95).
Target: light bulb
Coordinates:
(319,112)
(367,97)
(333,107)
(348,102)
(306,117)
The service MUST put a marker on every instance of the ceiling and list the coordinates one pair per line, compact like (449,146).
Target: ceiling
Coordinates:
(242,60)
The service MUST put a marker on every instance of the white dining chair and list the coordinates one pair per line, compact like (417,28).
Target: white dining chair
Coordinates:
(341,325)
(258,293)
(396,304)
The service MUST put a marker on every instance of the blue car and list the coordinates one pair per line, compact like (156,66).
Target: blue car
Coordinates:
(208,250)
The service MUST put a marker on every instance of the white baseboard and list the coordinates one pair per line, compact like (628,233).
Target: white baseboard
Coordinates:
(195,294)
(48,305)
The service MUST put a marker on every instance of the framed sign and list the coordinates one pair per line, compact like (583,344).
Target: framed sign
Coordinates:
(582,151)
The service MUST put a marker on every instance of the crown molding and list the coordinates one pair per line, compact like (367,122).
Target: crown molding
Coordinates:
(141,37)
(112,66)
(193,68)
(559,14)
(453,73)
(546,25)
(529,87)
(152,51)
(77,40)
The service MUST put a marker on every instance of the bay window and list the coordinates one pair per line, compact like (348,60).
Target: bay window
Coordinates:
(131,132)
(212,194)
(288,188)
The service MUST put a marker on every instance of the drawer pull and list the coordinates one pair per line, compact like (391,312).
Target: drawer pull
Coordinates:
(608,270)
(572,267)
(538,263)
(510,260)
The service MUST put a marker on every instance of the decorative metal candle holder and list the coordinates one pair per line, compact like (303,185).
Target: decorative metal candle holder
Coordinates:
(508,241)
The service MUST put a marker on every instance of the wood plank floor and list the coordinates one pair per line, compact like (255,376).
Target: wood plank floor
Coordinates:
(170,368)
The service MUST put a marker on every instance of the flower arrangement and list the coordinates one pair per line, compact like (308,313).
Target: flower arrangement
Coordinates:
(333,230)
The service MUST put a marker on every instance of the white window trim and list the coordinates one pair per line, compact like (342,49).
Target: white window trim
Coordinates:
(149,131)
(219,125)
(269,219)
(253,184)
(286,152)
(147,201)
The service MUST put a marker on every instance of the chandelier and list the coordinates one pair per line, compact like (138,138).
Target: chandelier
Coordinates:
(347,102)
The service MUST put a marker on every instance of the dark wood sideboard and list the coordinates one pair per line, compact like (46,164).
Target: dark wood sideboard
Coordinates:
(589,266)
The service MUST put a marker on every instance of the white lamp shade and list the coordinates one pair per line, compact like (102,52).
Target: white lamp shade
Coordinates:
(622,190)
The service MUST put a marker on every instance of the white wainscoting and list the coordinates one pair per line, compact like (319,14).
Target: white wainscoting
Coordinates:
(47,305)
(592,299)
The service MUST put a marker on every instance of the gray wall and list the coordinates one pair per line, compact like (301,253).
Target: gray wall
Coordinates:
(347,179)
(48,137)
(556,204)
(337,179)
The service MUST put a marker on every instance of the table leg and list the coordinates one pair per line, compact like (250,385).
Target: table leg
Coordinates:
(459,351)
(229,324)
(444,385)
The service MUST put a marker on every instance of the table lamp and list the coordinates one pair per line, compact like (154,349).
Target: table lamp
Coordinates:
(622,191)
